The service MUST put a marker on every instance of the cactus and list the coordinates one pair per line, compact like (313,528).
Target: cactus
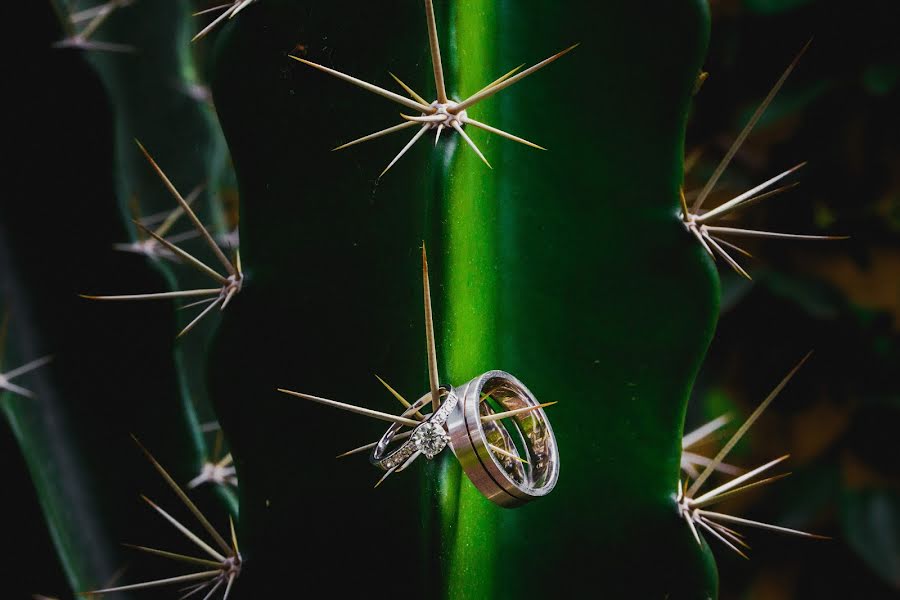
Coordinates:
(575,265)
(549,266)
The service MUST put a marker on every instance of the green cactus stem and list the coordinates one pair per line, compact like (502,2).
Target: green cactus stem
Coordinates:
(569,268)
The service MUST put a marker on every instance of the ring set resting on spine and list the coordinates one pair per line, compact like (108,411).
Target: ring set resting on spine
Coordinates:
(511,461)
(493,424)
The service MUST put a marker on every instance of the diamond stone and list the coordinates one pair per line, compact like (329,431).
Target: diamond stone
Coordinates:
(430,439)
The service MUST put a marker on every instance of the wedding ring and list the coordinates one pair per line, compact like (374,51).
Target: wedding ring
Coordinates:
(428,438)
(501,478)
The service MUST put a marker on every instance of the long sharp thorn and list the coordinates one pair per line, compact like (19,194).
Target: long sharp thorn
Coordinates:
(736,202)
(743,428)
(193,590)
(184,498)
(478,97)
(433,376)
(11,387)
(502,133)
(424,118)
(375,414)
(239,7)
(412,104)
(228,587)
(212,9)
(184,235)
(176,214)
(696,233)
(731,533)
(156,583)
(130,247)
(697,459)
(197,303)
(196,589)
(102,15)
(184,530)
(148,220)
(234,541)
(409,145)
(711,494)
(469,141)
(685,214)
(189,212)
(210,426)
(511,413)
(437,135)
(759,525)
(486,395)
(690,522)
(385,476)
(755,199)
(198,480)
(400,436)
(109,47)
(83,44)
(774,235)
(228,296)
(30,366)
(501,79)
(135,210)
(704,431)
(740,490)
(172,216)
(688,468)
(721,251)
(203,32)
(734,247)
(503,452)
(225,461)
(88,13)
(199,317)
(435,53)
(157,296)
(409,461)
(173,556)
(193,261)
(410,91)
(215,587)
(720,538)
(746,131)
(377,134)
(399,398)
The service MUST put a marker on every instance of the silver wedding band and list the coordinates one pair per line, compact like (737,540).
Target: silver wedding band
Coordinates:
(502,479)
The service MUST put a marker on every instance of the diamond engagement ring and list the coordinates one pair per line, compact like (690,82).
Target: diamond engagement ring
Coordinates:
(428,438)
(487,448)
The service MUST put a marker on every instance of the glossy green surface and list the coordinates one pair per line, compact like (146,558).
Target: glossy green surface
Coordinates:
(568,268)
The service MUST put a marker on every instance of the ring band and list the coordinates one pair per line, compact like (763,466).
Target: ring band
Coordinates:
(503,480)
(429,437)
